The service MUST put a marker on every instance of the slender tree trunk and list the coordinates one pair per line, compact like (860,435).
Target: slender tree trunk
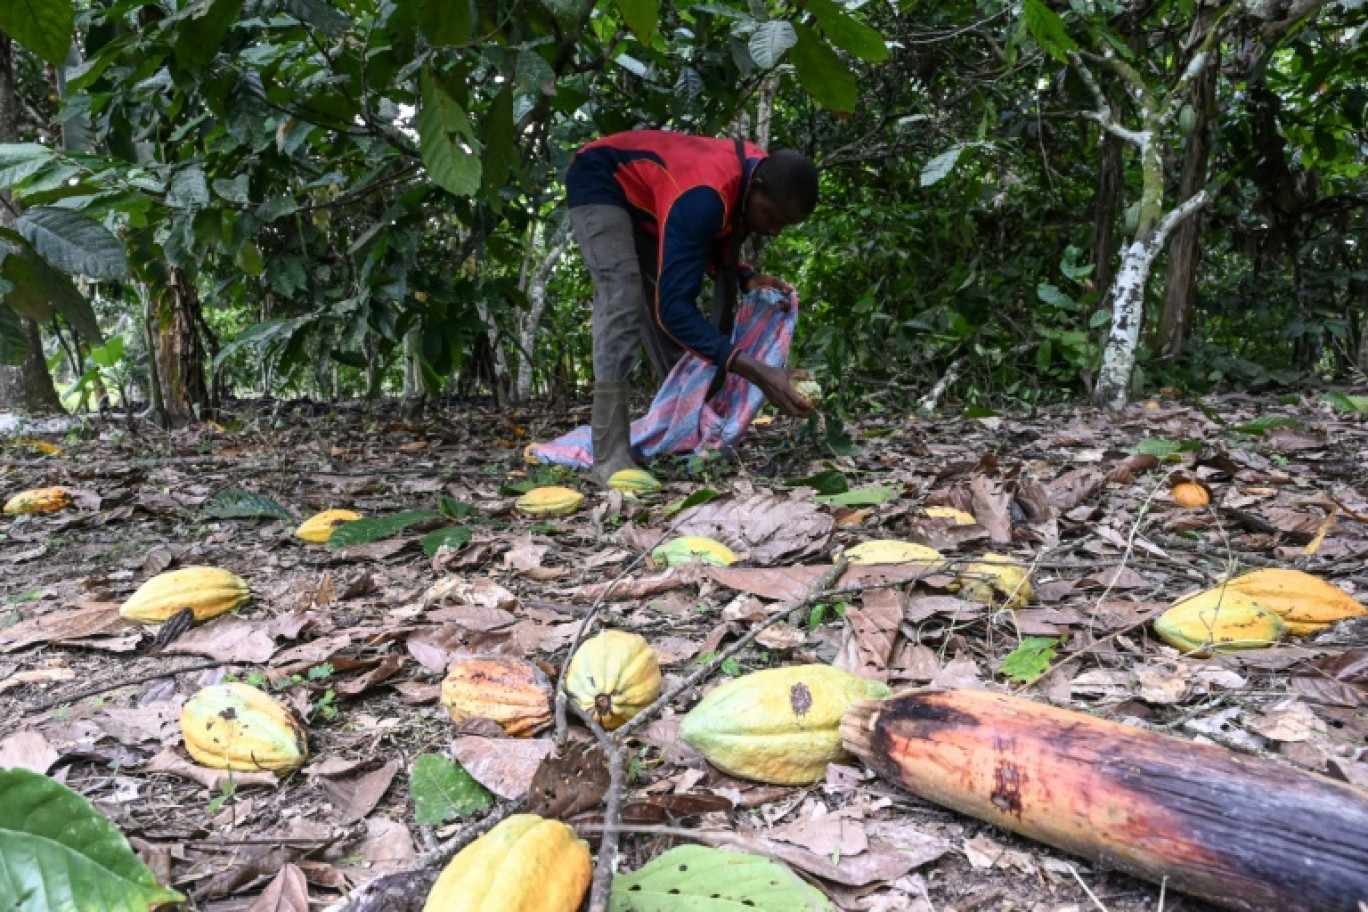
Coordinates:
(536,297)
(1105,208)
(1185,250)
(180,351)
(26,387)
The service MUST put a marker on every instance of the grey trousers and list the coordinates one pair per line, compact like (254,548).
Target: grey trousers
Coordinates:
(622,262)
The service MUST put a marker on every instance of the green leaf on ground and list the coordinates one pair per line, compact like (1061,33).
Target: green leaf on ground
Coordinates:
(365,531)
(1265,423)
(442,790)
(454,536)
(862,497)
(828,482)
(1347,403)
(239,503)
(59,853)
(1030,660)
(694,878)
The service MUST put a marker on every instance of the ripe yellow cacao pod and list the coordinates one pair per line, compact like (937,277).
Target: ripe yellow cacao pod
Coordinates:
(525,864)
(1204,625)
(1306,603)
(996,580)
(780,725)
(892,551)
(551,501)
(613,676)
(238,727)
(810,390)
(959,516)
(208,591)
(1188,494)
(320,527)
(512,692)
(633,481)
(39,500)
(688,548)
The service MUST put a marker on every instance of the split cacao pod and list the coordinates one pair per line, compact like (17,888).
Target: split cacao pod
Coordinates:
(1224,622)
(525,864)
(320,527)
(997,580)
(810,390)
(39,500)
(208,591)
(1189,494)
(235,726)
(689,548)
(613,676)
(633,481)
(892,551)
(780,725)
(549,501)
(512,692)
(1306,603)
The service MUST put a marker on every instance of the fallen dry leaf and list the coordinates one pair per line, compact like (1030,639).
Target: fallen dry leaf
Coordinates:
(505,766)
(357,796)
(287,892)
(227,638)
(28,750)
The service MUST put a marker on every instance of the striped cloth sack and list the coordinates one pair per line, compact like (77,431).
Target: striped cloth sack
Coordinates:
(680,420)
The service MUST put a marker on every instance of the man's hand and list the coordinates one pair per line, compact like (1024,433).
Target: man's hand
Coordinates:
(774,382)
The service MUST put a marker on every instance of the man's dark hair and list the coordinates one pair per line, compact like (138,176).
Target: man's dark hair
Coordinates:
(790,181)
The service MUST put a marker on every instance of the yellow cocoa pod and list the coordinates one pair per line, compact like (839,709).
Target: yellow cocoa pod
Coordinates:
(810,390)
(613,676)
(208,591)
(551,501)
(525,864)
(633,481)
(780,725)
(996,580)
(319,527)
(512,692)
(1188,494)
(1213,621)
(39,500)
(1306,603)
(237,727)
(959,516)
(892,551)
(688,548)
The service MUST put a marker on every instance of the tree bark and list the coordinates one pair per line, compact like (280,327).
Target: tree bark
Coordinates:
(180,351)
(1106,203)
(536,297)
(28,386)
(1185,251)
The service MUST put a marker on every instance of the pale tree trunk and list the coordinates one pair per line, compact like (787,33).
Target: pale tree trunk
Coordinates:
(180,351)
(1185,251)
(413,370)
(28,386)
(535,288)
(502,379)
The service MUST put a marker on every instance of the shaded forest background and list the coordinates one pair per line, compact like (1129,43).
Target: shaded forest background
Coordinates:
(1021,202)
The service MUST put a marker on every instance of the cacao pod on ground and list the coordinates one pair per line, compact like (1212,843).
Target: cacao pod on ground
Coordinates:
(208,591)
(892,551)
(549,501)
(39,500)
(1204,625)
(512,692)
(997,580)
(235,726)
(1306,603)
(525,864)
(633,481)
(689,548)
(320,527)
(613,676)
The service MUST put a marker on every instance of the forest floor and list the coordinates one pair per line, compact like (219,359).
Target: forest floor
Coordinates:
(356,639)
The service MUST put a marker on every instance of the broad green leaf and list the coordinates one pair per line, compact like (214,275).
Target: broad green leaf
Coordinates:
(188,189)
(13,341)
(60,854)
(445,22)
(934,171)
(848,33)
(321,15)
(500,149)
(694,878)
(1162,449)
(442,790)
(74,243)
(454,536)
(443,129)
(1048,30)
(1055,298)
(239,503)
(365,531)
(862,497)
(829,482)
(1265,423)
(1030,660)
(822,72)
(769,42)
(1347,403)
(200,36)
(701,496)
(19,160)
(43,27)
(39,291)
(641,17)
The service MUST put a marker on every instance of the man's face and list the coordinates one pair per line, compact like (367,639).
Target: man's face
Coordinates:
(765,217)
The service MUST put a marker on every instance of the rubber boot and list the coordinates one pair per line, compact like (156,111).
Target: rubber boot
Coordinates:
(612,429)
